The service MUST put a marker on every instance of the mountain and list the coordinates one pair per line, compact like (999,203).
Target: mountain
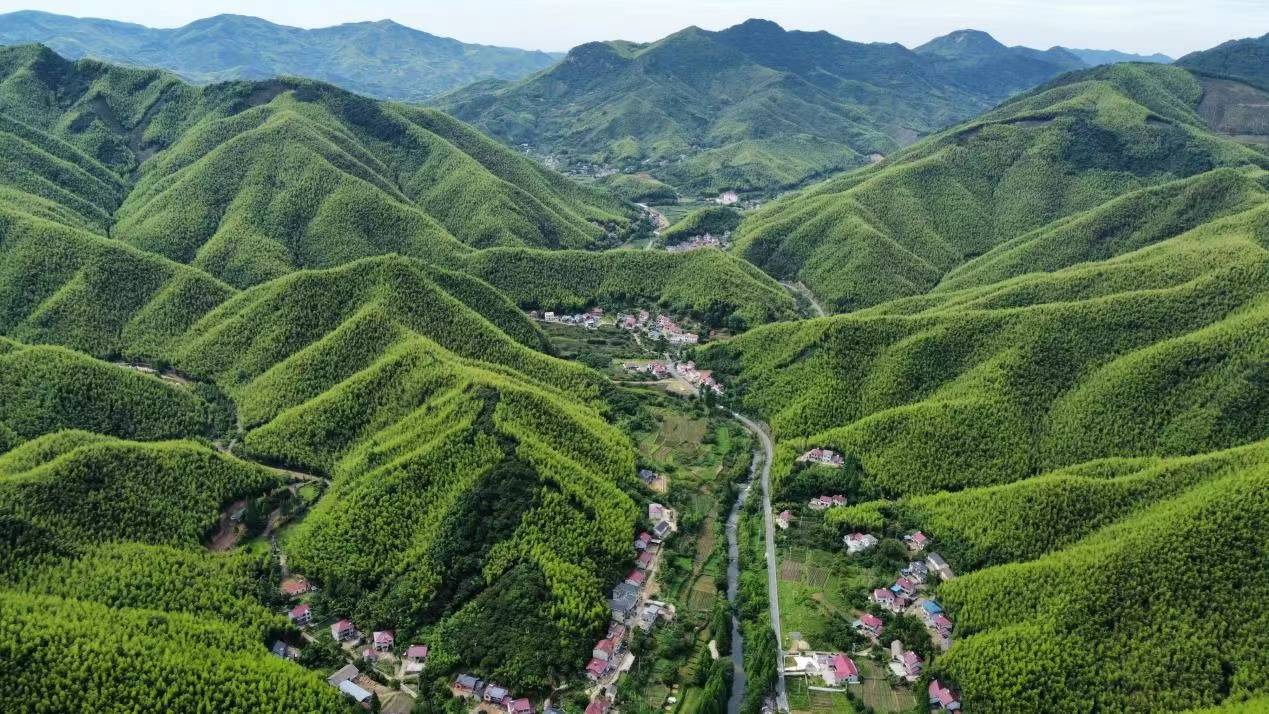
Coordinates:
(1055,366)
(378,59)
(1093,58)
(752,107)
(1246,60)
(975,60)
(1019,174)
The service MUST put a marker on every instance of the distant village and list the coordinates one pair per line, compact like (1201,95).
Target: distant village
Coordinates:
(708,240)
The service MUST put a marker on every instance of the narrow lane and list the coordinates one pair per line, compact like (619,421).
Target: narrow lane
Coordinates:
(773,569)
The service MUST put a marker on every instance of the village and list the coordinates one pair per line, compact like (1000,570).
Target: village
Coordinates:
(631,606)
(708,240)
(879,661)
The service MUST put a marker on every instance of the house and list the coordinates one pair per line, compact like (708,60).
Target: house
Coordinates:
(636,578)
(905,664)
(841,670)
(728,198)
(370,655)
(643,541)
(520,706)
(859,542)
(617,633)
(598,705)
(784,519)
(662,529)
(415,658)
(647,476)
(905,586)
(939,566)
(301,615)
(644,561)
(468,685)
(344,674)
(929,609)
(549,316)
(917,572)
(283,650)
(384,640)
(941,696)
(343,630)
(870,624)
(942,625)
(916,541)
(648,616)
(625,597)
(295,586)
(597,668)
(818,504)
(497,694)
(358,694)
(656,512)
(604,650)
(884,597)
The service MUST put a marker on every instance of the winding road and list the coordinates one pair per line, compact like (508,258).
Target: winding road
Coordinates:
(773,568)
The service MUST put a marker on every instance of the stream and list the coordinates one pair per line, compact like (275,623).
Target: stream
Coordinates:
(733,585)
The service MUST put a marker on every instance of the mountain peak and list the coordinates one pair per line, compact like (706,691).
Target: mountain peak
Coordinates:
(962,43)
(756,25)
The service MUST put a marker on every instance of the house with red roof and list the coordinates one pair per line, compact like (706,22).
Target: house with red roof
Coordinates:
(841,670)
(598,705)
(656,512)
(943,697)
(870,624)
(369,655)
(604,649)
(884,598)
(643,541)
(384,639)
(904,586)
(636,578)
(942,625)
(343,630)
(520,706)
(784,519)
(597,668)
(644,561)
(301,615)
(295,586)
(906,664)
(916,541)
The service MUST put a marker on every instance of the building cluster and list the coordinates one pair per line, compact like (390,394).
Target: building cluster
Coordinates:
(702,378)
(824,457)
(662,326)
(589,320)
(471,687)
(709,240)
(820,503)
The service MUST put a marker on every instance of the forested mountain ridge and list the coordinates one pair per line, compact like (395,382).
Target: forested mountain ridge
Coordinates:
(1246,60)
(749,107)
(381,59)
(1014,174)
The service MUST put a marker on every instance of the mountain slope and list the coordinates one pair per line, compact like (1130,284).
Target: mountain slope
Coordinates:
(379,59)
(901,227)
(1246,60)
(1093,58)
(752,107)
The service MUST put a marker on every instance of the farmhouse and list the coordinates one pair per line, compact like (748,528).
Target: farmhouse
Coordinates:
(358,694)
(943,697)
(295,586)
(644,561)
(343,674)
(917,572)
(520,706)
(784,519)
(904,586)
(870,624)
(415,658)
(625,597)
(599,705)
(636,577)
(859,542)
(841,670)
(343,630)
(826,457)
(939,566)
(497,694)
(643,541)
(916,541)
(301,615)
(384,640)
(597,668)
(468,685)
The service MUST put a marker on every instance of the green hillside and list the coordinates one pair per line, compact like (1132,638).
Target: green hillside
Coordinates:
(249,181)
(716,220)
(1002,185)
(752,107)
(711,286)
(46,389)
(379,59)
(1246,60)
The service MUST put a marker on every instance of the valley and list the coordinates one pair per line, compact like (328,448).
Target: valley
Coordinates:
(828,376)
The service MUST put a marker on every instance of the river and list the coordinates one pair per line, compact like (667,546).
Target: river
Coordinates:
(733,587)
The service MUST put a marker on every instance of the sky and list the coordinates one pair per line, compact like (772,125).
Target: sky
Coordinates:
(1173,27)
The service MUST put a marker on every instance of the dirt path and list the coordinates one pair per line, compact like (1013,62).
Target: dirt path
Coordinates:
(227,534)
(801,289)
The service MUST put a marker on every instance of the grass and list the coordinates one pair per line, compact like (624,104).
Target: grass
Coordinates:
(877,693)
(811,587)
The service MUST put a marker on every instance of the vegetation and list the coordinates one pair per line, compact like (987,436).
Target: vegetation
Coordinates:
(716,220)
(1030,184)
(752,107)
(706,285)
(1240,59)
(378,59)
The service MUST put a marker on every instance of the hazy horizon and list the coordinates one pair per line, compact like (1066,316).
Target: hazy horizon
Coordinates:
(1170,26)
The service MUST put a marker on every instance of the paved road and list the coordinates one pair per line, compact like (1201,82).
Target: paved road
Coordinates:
(773,566)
